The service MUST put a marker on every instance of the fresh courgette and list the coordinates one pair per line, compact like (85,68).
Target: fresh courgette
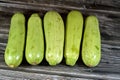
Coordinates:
(15,46)
(35,40)
(54,35)
(74,27)
(91,47)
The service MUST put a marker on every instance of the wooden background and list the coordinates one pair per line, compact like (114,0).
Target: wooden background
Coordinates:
(108,12)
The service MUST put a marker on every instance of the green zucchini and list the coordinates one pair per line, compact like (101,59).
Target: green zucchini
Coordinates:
(54,35)
(15,46)
(74,26)
(91,47)
(35,40)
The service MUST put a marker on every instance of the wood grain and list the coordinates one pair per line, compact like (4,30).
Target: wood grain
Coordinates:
(109,3)
(108,13)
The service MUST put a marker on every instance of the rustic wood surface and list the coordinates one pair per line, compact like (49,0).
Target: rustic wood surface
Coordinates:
(108,13)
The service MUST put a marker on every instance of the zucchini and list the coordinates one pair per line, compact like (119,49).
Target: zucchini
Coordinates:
(35,40)
(15,46)
(91,48)
(54,35)
(74,26)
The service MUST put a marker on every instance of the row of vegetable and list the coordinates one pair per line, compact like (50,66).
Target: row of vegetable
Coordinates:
(60,40)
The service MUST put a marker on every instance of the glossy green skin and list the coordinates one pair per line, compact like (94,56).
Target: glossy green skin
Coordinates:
(35,40)
(91,48)
(74,28)
(15,46)
(54,35)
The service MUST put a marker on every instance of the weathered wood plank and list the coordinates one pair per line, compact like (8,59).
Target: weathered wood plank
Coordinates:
(23,75)
(109,67)
(62,71)
(109,3)
(90,3)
